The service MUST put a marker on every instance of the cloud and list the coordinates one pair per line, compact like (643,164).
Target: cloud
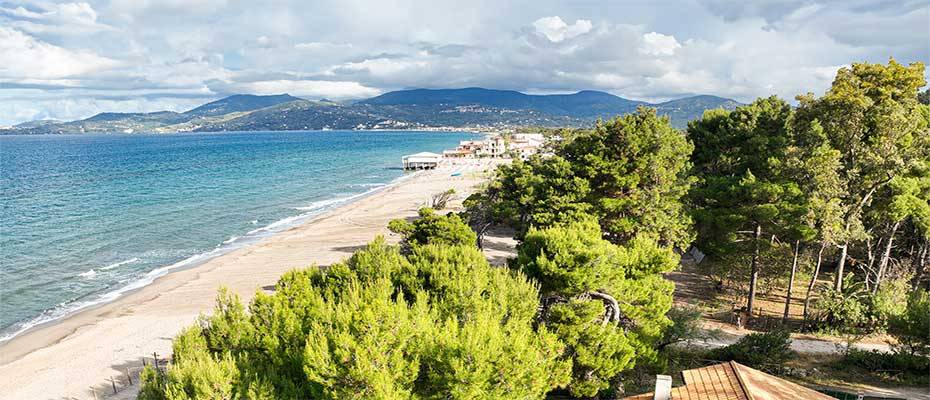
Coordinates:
(55,18)
(66,59)
(657,44)
(26,57)
(557,30)
(314,89)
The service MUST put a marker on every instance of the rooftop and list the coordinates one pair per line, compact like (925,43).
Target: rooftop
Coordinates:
(734,381)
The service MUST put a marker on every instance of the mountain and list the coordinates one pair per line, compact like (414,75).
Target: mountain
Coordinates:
(584,104)
(239,103)
(404,109)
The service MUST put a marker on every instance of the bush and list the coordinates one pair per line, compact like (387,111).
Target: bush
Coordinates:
(764,351)
(844,311)
(912,327)
(885,362)
(432,228)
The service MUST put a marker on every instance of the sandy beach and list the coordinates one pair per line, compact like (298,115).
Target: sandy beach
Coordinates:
(64,360)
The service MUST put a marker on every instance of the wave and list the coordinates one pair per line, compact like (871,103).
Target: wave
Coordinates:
(120,264)
(70,307)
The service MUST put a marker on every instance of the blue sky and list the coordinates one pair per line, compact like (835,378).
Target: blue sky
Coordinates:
(68,60)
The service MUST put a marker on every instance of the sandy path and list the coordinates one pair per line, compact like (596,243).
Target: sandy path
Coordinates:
(65,359)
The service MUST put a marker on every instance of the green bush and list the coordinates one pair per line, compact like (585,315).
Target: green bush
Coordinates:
(888,362)
(912,327)
(432,228)
(763,351)
(846,311)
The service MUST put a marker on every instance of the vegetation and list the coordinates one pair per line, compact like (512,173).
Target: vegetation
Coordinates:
(844,177)
(766,351)
(839,184)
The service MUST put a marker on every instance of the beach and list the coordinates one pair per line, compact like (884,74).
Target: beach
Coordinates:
(69,357)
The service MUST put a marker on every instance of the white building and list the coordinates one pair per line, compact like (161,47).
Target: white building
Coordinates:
(424,160)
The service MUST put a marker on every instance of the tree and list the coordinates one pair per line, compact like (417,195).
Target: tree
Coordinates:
(745,183)
(431,228)
(638,170)
(606,302)
(630,172)
(871,114)
(438,322)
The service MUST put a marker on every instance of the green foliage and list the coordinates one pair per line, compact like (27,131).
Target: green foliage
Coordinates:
(629,172)
(843,311)
(912,327)
(875,360)
(758,350)
(431,228)
(574,265)
(686,325)
(637,168)
(439,322)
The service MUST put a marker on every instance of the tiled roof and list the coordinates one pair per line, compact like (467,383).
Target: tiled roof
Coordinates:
(734,381)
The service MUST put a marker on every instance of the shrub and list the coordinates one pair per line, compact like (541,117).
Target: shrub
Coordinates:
(888,362)
(844,311)
(912,327)
(432,228)
(758,350)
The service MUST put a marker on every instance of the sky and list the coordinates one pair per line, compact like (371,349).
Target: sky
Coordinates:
(71,60)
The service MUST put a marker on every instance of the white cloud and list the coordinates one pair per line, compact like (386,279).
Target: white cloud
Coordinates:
(557,30)
(26,57)
(78,55)
(657,44)
(315,89)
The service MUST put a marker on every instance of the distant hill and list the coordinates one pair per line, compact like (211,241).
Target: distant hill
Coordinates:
(403,109)
(239,103)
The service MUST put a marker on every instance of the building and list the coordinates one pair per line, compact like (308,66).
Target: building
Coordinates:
(729,381)
(422,160)
(524,145)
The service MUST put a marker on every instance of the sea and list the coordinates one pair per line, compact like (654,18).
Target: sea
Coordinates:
(85,219)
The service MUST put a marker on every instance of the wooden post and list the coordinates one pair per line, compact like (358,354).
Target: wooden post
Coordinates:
(94,392)
(113,382)
(129,376)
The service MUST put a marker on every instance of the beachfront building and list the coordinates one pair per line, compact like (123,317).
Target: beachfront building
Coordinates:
(524,145)
(424,160)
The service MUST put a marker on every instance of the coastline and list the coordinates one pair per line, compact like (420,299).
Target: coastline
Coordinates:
(234,243)
(66,357)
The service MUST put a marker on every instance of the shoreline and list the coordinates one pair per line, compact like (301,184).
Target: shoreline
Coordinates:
(66,357)
(247,239)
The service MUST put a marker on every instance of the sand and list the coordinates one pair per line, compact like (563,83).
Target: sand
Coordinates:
(65,359)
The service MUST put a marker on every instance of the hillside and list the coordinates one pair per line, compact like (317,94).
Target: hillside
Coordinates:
(403,109)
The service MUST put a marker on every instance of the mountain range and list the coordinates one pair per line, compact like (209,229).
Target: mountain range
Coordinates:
(473,108)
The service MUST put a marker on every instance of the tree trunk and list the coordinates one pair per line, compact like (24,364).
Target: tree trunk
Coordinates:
(885,258)
(754,274)
(840,266)
(794,269)
(810,286)
(921,264)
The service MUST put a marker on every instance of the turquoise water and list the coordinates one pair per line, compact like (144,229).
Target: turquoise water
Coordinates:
(85,218)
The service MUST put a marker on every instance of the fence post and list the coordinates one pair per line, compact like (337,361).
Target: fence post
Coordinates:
(113,382)
(129,376)
(94,392)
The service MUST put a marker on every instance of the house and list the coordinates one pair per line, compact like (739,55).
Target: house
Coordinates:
(422,160)
(729,381)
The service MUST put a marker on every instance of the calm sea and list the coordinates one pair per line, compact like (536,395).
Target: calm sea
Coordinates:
(85,218)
